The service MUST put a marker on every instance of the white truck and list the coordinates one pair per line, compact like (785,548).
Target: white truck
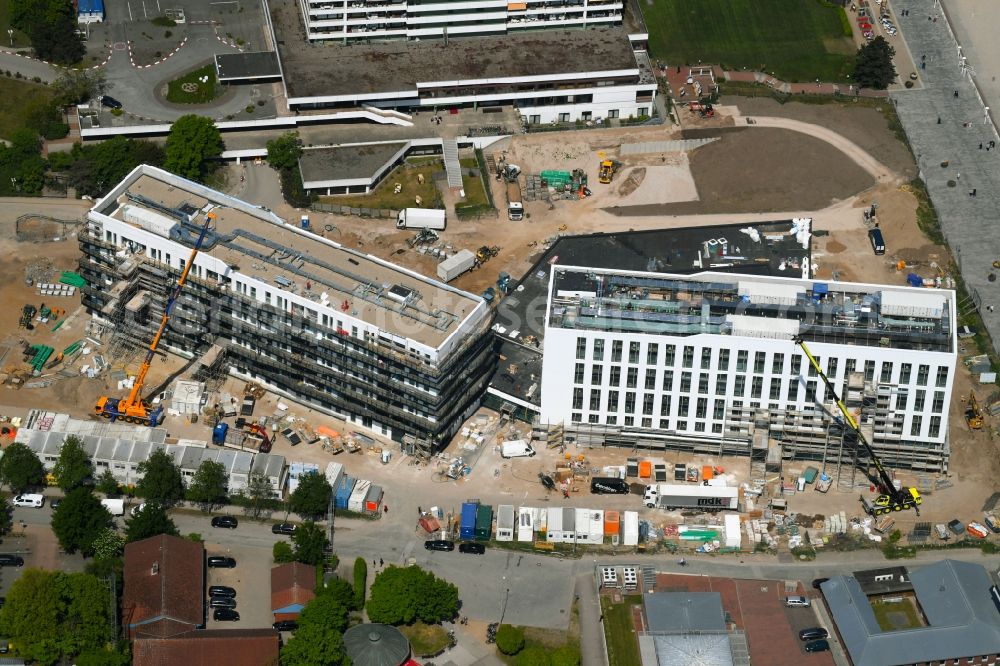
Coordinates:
(420,218)
(516,448)
(116,507)
(515,207)
(456,264)
(706,498)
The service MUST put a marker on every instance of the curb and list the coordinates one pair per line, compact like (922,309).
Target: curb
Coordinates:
(57,66)
(163,59)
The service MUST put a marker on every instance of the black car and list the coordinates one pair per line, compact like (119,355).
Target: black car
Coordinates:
(225,521)
(819,581)
(221,591)
(221,602)
(54,504)
(813,633)
(283,528)
(110,102)
(439,544)
(8,560)
(817,646)
(471,548)
(547,481)
(225,615)
(285,625)
(221,562)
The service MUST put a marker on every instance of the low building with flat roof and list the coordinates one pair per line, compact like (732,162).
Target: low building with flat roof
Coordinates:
(349,168)
(689,628)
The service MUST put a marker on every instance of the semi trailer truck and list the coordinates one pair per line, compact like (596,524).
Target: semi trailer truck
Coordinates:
(706,498)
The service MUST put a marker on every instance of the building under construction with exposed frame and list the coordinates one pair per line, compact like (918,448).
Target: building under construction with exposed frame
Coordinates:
(347,333)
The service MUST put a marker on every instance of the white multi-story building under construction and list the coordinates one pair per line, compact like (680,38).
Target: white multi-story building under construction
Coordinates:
(706,362)
(345,332)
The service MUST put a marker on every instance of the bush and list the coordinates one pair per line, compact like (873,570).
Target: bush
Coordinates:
(510,639)
(167,34)
(164,22)
(360,581)
(567,655)
(116,112)
(194,536)
(249,108)
(282,552)
(55,130)
(534,656)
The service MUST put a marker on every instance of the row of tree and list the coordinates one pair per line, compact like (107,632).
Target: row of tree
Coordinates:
(51,26)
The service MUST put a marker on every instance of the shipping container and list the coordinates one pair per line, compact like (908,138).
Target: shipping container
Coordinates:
(612,523)
(631,467)
(334,472)
(680,472)
(526,518)
(373,499)
(645,469)
(358,495)
(630,528)
(707,473)
(343,493)
(456,264)
(707,498)
(734,535)
(467,528)
(484,522)
(660,472)
(589,526)
(505,522)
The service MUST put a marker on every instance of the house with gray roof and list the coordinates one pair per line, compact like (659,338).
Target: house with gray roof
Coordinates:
(683,625)
(955,599)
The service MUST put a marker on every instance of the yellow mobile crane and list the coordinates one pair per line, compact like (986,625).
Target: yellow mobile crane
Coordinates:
(889,499)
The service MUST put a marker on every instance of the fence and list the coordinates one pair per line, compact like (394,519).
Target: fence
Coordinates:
(378,213)
(38,228)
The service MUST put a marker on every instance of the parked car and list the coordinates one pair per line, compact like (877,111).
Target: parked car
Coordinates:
(54,504)
(221,591)
(439,544)
(283,528)
(957,527)
(285,625)
(31,501)
(110,102)
(225,615)
(821,645)
(222,602)
(11,560)
(818,581)
(225,521)
(797,602)
(471,547)
(221,562)
(813,633)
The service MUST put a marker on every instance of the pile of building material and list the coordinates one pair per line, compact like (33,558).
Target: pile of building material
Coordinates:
(188,397)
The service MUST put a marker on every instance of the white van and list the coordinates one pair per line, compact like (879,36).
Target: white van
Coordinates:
(116,507)
(516,448)
(30,500)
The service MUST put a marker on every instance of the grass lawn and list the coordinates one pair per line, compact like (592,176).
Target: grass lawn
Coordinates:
(898,610)
(798,41)
(16,94)
(189,88)
(623,646)
(384,197)
(425,639)
(20,39)
(475,193)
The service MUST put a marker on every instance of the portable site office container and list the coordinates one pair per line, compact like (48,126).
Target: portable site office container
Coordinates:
(357,500)
(734,533)
(630,528)
(505,522)
(344,490)
(374,498)
(334,472)
(526,524)
(612,525)
(484,522)
(467,528)
(589,526)
(561,527)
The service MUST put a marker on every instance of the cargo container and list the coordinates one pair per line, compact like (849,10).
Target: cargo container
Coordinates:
(810,474)
(467,527)
(734,535)
(645,469)
(456,264)
(526,523)
(505,522)
(589,526)
(706,498)
(680,472)
(484,522)
(707,473)
(660,473)
(358,495)
(334,472)
(612,523)
(343,492)
(373,499)
(631,467)
(630,528)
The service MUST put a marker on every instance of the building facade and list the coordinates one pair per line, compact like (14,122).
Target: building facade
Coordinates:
(349,334)
(707,363)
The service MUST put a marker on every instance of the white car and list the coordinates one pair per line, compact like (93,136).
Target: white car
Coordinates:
(30,500)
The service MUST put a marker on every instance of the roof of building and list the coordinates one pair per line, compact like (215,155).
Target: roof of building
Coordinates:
(317,70)
(682,612)
(293,583)
(348,163)
(884,581)
(164,586)
(712,649)
(376,645)
(210,647)
(268,464)
(247,66)
(90,6)
(955,600)
(256,243)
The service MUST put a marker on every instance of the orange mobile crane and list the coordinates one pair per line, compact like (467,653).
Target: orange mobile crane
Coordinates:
(134,409)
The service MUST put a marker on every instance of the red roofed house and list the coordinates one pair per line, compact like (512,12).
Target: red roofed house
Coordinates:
(293,585)
(211,647)
(164,591)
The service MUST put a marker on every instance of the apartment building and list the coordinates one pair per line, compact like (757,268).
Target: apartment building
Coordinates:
(349,334)
(706,362)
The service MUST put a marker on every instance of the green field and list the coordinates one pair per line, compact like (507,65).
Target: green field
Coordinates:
(896,615)
(16,94)
(197,92)
(619,631)
(797,41)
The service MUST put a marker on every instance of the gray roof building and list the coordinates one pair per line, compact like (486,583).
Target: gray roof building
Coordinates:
(689,628)
(376,645)
(962,620)
(684,611)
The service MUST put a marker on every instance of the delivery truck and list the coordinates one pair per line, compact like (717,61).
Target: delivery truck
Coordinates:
(456,264)
(516,448)
(515,207)
(420,218)
(706,498)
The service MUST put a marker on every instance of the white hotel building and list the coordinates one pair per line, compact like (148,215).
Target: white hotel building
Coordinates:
(706,363)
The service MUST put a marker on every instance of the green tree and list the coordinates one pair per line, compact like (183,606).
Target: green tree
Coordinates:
(402,595)
(285,151)
(191,145)
(360,581)
(6,517)
(51,26)
(282,552)
(314,645)
(104,657)
(107,483)
(161,479)
(310,543)
(78,520)
(209,485)
(567,655)
(73,467)
(342,591)
(98,167)
(873,67)
(44,117)
(325,610)
(149,522)
(86,619)
(109,544)
(75,86)
(20,468)
(510,639)
(258,494)
(536,655)
(312,497)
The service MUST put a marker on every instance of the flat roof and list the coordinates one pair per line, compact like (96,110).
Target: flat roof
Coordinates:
(246,66)
(681,612)
(318,70)
(347,162)
(262,246)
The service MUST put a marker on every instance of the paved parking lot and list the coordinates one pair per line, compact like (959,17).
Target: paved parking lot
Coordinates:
(251,579)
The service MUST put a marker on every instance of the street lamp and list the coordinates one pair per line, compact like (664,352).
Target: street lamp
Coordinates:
(10,33)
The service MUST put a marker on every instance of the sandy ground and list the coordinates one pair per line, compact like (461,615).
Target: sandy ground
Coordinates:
(658,184)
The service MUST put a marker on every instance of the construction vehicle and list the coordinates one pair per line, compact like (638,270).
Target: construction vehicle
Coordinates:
(485,253)
(973,414)
(607,171)
(890,498)
(135,409)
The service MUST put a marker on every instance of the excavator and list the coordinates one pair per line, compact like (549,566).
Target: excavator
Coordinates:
(889,499)
(973,413)
(134,408)
(607,171)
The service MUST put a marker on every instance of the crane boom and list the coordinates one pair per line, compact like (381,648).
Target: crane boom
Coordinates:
(890,499)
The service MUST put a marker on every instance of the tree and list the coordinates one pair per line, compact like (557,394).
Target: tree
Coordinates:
(109,544)
(6,517)
(75,86)
(149,522)
(341,590)
(258,493)
(209,485)
(310,543)
(78,520)
(282,552)
(535,655)
(402,595)
(103,657)
(20,468)
(360,581)
(510,639)
(285,151)
(193,141)
(325,610)
(873,67)
(161,479)
(567,655)
(318,639)
(73,467)
(107,483)
(86,617)
(312,497)
(98,167)
(51,26)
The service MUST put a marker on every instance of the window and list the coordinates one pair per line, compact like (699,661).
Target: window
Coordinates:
(812,368)
(595,400)
(564,117)
(650,379)
(581,348)
(665,405)
(719,410)
(576,417)
(778,364)
(942,377)
(663,424)
(632,379)
(688,357)
(595,374)
(793,390)
(647,403)
(901,400)
(922,373)
(741,361)
(919,400)
(652,352)
(630,402)
(741,386)
(831,369)
(904,372)
(701,408)
(612,401)
(723,359)
(758,362)
(796,368)
(593,418)
(629,420)
(598,350)
(869,370)
(668,380)
(633,352)
(886,375)
(915,426)
(611,420)
(935,429)
(616,375)
(647,422)
(578,374)
(717,428)
(720,384)
(703,383)
(938,403)
(669,352)
(616,351)
(577,400)
(811,390)
(757,388)
(685,382)
(682,425)
(774,393)
(706,359)
(684,405)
